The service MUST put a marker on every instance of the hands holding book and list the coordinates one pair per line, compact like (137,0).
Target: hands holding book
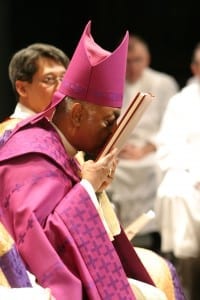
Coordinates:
(100,173)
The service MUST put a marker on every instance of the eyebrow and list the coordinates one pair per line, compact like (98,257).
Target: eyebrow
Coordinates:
(53,73)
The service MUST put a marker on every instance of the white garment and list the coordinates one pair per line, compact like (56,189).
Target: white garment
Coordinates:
(22,112)
(144,291)
(178,203)
(135,183)
(34,293)
(193,79)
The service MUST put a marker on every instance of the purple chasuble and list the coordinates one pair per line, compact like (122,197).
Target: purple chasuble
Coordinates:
(53,221)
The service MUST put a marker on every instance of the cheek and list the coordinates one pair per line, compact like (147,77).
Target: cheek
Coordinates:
(47,95)
(49,92)
(100,137)
(94,139)
(95,135)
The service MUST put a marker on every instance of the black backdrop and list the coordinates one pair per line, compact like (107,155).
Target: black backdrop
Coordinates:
(171,29)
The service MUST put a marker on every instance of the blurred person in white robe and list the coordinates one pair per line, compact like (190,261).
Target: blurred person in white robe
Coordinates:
(134,188)
(177,205)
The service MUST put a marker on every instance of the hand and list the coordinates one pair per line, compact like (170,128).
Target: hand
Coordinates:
(100,174)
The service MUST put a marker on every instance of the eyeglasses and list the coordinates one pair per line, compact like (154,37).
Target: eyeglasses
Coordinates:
(52,80)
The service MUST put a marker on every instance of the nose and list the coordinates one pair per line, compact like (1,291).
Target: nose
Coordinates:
(58,82)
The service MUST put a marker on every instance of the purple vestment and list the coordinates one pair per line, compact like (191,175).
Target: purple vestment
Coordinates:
(55,225)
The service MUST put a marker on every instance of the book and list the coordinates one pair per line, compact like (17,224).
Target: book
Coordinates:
(135,227)
(127,122)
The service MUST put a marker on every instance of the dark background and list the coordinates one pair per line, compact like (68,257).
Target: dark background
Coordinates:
(172,29)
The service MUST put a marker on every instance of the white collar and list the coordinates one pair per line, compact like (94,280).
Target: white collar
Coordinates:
(22,112)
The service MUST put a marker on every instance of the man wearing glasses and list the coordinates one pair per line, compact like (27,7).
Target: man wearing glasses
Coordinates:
(35,73)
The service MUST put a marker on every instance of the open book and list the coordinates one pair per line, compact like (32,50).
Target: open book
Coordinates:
(127,122)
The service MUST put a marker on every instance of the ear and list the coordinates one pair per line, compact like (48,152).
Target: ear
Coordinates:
(21,87)
(77,114)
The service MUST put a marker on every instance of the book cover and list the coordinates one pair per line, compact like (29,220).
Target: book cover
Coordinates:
(127,122)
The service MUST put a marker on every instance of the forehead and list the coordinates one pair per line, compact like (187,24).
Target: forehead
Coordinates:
(137,49)
(49,64)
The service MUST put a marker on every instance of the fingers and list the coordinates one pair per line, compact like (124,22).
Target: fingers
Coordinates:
(100,173)
(109,161)
(112,155)
(106,183)
(110,172)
